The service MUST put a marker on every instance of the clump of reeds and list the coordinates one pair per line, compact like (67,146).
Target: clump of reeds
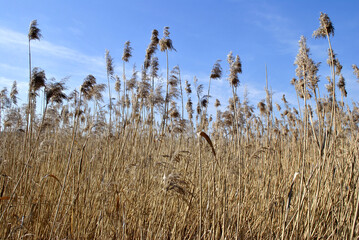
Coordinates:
(156,179)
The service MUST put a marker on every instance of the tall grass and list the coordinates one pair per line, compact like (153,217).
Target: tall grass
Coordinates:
(245,175)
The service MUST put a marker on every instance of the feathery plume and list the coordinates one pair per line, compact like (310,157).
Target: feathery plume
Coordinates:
(127,52)
(151,49)
(87,87)
(34,31)
(235,69)
(4,100)
(13,93)
(109,63)
(230,58)
(154,67)
(117,84)
(165,42)
(262,107)
(217,103)
(216,72)
(97,90)
(54,92)
(189,108)
(341,86)
(188,88)
(38,79)
(131,84)
(326,27)
(356,71)
(334,61)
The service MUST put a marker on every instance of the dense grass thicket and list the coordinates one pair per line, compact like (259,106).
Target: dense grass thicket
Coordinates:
(151,163)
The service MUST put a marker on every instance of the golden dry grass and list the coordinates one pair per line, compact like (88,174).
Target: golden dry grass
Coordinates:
(273,175)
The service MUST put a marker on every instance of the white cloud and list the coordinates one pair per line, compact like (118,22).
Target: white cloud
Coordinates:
(4,67)
(67,53)
(270,20)
(10,38)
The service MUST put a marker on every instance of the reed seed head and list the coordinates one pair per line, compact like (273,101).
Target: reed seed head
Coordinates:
(87,86)
(38,79)
(188,88)
(117,84)
(217,103)
(235,68)
(109,63)
(341,86)
(356,71)
(34,31)
(127,51)
(13,93)
(54,92)
(165,42)
(325,29)
(154,67)
(216,72)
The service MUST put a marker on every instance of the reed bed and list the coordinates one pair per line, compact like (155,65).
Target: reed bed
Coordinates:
(139,169)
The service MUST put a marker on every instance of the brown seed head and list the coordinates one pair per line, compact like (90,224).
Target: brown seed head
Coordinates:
(188,88)
(127,52)
(87,86)
(13,93)
(217,103)
(326,27)
(117,84)
(38,79)
(341,86)
(154,67)
(109,63)
(54,92)
(165,42)
(262,107)
(356,71)
(34,31)
(216,72)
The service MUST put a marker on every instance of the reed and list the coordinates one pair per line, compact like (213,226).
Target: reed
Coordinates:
(264,172)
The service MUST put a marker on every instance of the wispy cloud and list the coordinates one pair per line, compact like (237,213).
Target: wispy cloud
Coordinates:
(19,41)
(67,53)
(278,26)
(4,67)
(9,37)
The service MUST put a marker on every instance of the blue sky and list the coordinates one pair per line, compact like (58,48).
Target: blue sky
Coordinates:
(76,34)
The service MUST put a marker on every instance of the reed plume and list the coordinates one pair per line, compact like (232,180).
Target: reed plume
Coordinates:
(54,93)
(154,67)
(110,72)
(165,45)
(151,49)
(13,94)
(216,73)
(356,71)
(341,86)
(127,54)
(34,34)
(4,102)
(87,86)
(326,27)
(325,30)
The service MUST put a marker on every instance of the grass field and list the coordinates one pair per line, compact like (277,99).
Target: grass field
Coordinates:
(138,169)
